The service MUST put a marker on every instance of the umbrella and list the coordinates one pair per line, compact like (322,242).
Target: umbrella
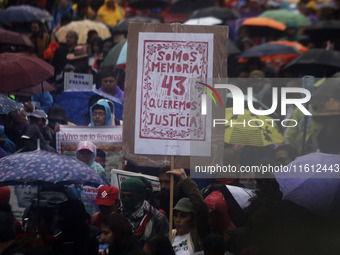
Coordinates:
(123,25)
(287,17)
(117,55)
(43,86)
(45,168)
(327,90)
(318,192)
(75,104)
(316,62)
(323,30)
(271,51)
(261,26)
(217,12)
(262,135)
(296,45)
(24,13)
(7,104)
(232,48)
(208,21)
(82,27)
(148,4)
(19,71)
(188,6)
(13,38)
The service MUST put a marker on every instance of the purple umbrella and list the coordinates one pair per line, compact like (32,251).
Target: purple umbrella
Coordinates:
(44,168)
(315,184)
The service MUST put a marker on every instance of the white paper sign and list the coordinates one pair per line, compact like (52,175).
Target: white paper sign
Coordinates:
(118,176)
(78,82)
(168,104)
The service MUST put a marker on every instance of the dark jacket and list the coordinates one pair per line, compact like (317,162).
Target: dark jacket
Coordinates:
(201,228)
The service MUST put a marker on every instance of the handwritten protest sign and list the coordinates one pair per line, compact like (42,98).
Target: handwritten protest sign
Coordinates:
(164,112)
(78,82)
(168,104)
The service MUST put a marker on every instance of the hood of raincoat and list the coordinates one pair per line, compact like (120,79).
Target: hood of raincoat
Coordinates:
(85,145)
(107,112)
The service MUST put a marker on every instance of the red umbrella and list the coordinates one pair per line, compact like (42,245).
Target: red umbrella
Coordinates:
(19,71)
(13,38)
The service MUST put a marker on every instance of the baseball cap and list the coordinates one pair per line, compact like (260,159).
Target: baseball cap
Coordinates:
(107,195)
(86,145)
(40,114)
(184,205)
(5,195)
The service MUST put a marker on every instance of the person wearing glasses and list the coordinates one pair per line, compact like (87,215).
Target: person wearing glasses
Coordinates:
(100,114)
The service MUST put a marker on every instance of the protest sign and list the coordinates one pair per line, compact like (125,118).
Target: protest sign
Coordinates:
(168,105)
(166,118)
(21,196)
(118,176)
(106,138)
(78,82)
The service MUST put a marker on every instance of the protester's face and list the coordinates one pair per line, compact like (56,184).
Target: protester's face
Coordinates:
(164,180)
(85,156)
(109,85)
(283,157)
(183,222)
(100,161)
(35,28)
(63,4)
(110,4)
(71,40)
(24,195)
(107,235)
(105,210)
(131,201)
(98,117)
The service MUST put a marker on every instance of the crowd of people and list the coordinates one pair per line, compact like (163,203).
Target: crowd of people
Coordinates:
(209,215)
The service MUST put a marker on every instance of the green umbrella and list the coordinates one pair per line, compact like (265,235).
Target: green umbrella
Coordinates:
(287,17)
(114,54)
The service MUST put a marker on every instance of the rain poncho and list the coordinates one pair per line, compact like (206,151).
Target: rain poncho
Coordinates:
(108,118)
(94,165)
(110,16)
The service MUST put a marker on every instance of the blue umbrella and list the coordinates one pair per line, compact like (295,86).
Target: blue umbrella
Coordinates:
(45,168)
(24,13)
(76,105)
(313,182)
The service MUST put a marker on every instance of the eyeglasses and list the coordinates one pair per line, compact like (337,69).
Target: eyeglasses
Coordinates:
(100,114)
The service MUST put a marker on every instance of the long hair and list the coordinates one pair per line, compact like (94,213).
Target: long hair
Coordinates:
(122,230)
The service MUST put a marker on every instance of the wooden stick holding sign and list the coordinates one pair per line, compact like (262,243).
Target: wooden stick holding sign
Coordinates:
(171,206)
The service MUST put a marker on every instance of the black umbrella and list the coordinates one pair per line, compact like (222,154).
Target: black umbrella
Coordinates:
(122,25)
(327,90)
(324,30)
(188,6)
(268,49)
(148,4)
(232,48)
(217,12)
(316,62)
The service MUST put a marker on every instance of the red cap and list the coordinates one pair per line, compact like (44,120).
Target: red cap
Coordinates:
(107,195)
(5,195)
